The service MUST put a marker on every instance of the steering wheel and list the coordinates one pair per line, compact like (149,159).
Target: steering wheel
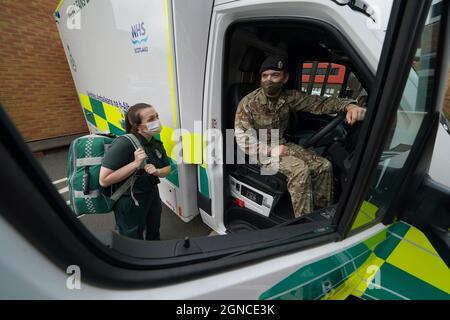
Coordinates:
(340,118)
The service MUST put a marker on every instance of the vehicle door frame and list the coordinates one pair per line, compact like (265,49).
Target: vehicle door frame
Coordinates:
(392,75)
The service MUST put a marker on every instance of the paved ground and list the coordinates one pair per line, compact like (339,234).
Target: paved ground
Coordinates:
(54,163)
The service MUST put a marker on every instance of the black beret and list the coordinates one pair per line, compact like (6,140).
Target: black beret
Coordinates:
(273,63)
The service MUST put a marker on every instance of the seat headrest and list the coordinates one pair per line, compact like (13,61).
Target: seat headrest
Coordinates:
(251,60)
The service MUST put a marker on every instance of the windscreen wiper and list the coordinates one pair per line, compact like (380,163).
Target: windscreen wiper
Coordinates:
(358,5)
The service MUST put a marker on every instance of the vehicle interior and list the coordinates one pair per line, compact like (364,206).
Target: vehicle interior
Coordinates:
(319,62)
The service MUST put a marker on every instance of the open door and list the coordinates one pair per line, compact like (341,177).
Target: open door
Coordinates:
(242,33)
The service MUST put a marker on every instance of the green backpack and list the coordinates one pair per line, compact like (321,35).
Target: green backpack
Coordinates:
(85,158)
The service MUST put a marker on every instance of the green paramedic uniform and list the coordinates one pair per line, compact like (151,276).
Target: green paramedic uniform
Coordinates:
(132,220)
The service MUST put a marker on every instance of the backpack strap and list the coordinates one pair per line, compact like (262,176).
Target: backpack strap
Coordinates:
(122,189)
(134,141)
(129,183)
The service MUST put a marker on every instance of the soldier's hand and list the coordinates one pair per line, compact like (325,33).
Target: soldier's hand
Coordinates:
(150,169)
(139,157)
(355,113)
(279,151)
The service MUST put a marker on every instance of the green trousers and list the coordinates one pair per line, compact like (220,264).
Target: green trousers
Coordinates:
(132,220)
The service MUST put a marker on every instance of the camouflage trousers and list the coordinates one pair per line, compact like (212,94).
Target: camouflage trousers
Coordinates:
(310,179)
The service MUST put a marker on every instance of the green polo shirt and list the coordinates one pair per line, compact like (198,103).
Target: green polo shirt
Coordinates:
(121,153)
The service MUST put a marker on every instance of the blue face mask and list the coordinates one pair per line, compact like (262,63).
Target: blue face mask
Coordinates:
(154,127)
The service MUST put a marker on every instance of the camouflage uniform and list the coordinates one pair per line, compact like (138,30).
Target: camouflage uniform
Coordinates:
(310,177)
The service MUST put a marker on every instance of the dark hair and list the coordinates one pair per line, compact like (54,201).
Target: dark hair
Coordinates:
(133,118)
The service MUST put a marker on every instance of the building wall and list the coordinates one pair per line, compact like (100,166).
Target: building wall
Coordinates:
(36,87)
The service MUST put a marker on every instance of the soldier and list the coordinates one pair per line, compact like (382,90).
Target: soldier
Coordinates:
(310,177)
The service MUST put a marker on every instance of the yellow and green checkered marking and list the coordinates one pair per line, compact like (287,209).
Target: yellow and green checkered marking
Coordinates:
(396,264)
(103,116)
(367,213)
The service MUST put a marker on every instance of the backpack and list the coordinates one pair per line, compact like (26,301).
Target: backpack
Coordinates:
(83,170)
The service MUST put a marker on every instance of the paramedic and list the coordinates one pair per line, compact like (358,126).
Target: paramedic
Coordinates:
(148,163)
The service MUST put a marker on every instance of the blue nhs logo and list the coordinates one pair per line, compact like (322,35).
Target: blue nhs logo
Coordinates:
(139,37)
(138,33)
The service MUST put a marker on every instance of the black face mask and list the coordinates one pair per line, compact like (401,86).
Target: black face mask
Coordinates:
(271,89)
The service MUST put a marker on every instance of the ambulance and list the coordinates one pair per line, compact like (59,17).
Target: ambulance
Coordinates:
(385,237)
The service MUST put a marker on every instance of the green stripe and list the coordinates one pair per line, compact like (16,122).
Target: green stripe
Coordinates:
(204,188)
(395,284)
(384,249)
(173,176)
(97,108)
(356,250)
(400,229)
(90,117)
(309,281)
(115,130)
(406,285)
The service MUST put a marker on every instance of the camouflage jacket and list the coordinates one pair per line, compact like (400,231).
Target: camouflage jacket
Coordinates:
(255,111)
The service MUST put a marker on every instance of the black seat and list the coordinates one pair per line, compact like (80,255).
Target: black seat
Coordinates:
(249,67)
(235,93)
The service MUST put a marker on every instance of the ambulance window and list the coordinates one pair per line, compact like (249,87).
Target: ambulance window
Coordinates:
(415,104)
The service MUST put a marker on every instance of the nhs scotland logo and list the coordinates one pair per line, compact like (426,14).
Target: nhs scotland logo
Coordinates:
(139,38)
